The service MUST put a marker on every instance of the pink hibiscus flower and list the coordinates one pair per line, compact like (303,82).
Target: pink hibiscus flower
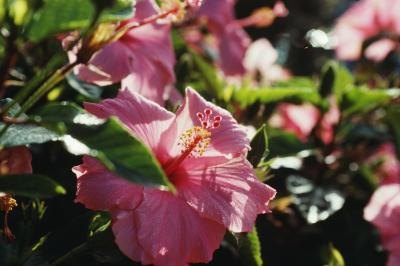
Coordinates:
(14,160)
(389,170)
(383,211)
(202,151)
(231,40)
(143,58)
(366,19)
(298,119)
(302,119)
(261,58)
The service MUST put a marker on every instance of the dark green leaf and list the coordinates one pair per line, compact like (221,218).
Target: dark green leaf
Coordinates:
(90,91)
(120,152)
(336,79)
(283,143)
(209,75)
(259,147)
(17,135)
(109,141)
(33,186)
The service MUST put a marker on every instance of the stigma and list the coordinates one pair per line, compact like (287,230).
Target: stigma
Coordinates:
(194,141)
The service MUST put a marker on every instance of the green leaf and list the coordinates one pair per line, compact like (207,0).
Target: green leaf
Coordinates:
(259,147)
(58,16)
(336,79)
(121,152)
(23,134)
(283,143)
(250,249)
(17,135)
(90,91)
(393,121)
(364,99)
(246,96)
(109,141)
(122,9)
(33,186)
(209,75)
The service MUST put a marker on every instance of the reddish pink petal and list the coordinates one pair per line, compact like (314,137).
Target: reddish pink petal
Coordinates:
(232,48)
(389,170)
(146,119)
(357,24)
(328,122)
(298,119)
(232,39)
(383,211)
(125,231)
(143,58)
(228,140)
(378,50)
(111,63)
(172,232)
(280,9)
(228,193)
(19,160)
(99,189)
(394,259)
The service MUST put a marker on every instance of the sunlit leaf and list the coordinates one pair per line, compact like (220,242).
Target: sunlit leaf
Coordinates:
(109,141)
(259,147)
(33,186)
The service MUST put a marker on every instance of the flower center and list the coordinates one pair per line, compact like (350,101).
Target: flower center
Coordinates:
(194,141)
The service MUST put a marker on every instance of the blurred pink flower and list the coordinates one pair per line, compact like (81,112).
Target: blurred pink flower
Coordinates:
(297,119)
(202,150)
(15,160)
(328,122)
(232,40)
(143,58)
(383,211)
(280,9)
(389,169)
(363,20)
(302,119)
(261,58)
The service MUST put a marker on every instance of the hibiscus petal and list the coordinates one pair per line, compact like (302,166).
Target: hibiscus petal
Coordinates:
(232,47)
(19,160)
(172,232)
(125,231)
(383,211)
(111,62)
(99,189)
(228,140)
(228,193)
(146,119)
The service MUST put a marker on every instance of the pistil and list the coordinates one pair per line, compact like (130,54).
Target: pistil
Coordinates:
(194,141)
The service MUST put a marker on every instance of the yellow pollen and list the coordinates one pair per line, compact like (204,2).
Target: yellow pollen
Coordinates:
(195,140)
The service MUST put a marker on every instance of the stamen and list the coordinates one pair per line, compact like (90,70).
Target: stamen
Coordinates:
(194,141)
(7,203)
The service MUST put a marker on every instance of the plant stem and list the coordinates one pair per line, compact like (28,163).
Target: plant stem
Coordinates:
(8,62)
(53,80)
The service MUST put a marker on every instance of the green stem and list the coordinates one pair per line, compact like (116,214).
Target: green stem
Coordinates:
(77,250)
(47,86)
(42,90)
